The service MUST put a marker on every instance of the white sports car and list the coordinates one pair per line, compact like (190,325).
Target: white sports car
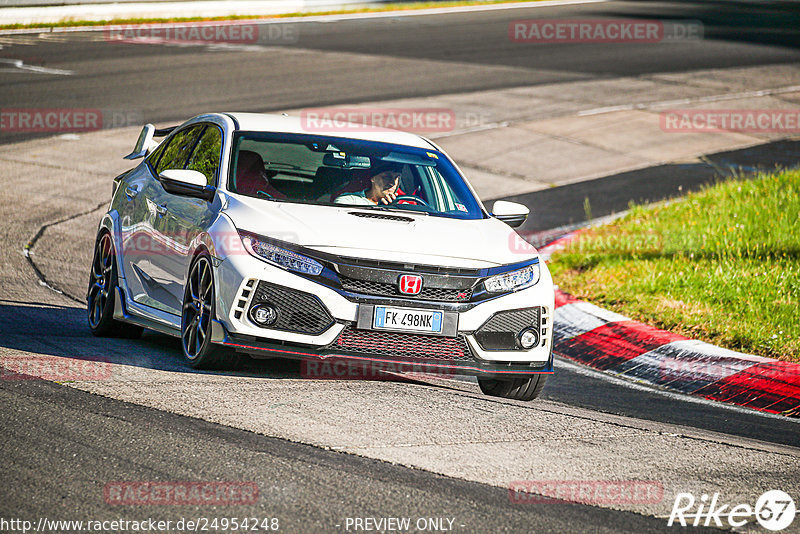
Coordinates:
(250,232)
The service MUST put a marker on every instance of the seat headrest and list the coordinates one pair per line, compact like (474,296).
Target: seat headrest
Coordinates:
(249,162)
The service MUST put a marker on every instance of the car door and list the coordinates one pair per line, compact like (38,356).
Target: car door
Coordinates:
(151,254)
(186,217)
(135,224)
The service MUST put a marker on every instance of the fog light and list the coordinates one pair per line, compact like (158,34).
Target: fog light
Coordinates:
(528,338)
(263,314)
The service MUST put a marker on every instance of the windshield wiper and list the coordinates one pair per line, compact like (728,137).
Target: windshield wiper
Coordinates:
(267,196)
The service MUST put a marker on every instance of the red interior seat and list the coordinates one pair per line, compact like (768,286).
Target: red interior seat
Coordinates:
(251,177)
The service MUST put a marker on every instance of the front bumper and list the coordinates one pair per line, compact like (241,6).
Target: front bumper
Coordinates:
(475,367)
(336,332)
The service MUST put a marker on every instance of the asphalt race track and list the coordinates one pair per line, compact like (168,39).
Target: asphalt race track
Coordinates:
(380,59)
(324,451)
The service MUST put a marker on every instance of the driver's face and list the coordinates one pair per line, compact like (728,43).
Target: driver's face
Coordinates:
(387,181)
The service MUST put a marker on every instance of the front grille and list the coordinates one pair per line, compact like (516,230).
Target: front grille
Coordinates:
(412,346)
(390,290)
(500,331)
(384,216)
(298,311)
(385,265)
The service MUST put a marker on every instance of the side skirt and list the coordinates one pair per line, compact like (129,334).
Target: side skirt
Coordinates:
(124,312)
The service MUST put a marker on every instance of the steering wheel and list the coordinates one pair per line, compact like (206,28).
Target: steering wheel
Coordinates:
(410,198)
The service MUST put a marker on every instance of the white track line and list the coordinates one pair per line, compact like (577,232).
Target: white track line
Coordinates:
(18,65)
(684,101)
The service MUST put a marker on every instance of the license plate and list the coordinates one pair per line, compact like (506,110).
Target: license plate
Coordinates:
(407,319)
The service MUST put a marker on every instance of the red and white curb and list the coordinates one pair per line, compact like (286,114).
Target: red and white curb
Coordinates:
(618,345)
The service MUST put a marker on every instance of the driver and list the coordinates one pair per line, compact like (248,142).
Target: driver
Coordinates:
(382,189)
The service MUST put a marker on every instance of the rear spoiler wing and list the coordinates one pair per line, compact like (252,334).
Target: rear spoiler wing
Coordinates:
(145,144)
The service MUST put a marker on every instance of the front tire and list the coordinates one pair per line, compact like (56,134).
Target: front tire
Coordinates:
(524,389)
(199,308)
(102,292)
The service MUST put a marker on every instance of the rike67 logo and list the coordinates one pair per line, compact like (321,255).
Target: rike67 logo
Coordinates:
(774,510)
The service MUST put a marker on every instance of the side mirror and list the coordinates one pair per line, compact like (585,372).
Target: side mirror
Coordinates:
(188,183)
(511,213)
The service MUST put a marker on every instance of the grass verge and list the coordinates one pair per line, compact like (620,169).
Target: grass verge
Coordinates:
(721,265)
(152,20)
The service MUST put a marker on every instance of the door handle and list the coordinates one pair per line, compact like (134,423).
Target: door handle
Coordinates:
(131,192)
(161,210)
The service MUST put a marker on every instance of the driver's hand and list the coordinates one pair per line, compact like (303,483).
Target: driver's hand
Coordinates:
(387,197)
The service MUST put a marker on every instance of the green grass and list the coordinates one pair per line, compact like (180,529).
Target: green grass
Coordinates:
(721,265)
(148,20)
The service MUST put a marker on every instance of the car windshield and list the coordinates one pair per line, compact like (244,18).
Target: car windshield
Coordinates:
(335,171)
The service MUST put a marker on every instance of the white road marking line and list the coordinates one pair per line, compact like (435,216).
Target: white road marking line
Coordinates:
(211,47)
(18,65)
(685,101)
(18,40)
(65,37)
(639,106)
(490,126)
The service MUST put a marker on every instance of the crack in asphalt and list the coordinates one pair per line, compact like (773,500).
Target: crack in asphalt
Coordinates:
(27,251)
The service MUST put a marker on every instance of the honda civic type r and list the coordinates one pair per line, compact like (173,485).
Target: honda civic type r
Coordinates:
(250,233)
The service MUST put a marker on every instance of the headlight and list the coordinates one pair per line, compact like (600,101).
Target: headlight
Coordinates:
(514,280)
(281,257)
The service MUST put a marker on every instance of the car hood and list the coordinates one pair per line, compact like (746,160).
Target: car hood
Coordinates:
(422,239)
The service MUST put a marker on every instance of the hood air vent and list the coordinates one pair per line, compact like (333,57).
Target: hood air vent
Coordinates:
(384,216)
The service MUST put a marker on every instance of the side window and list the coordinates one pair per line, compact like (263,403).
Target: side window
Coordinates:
(155,155)
(205,157)
(177,151)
